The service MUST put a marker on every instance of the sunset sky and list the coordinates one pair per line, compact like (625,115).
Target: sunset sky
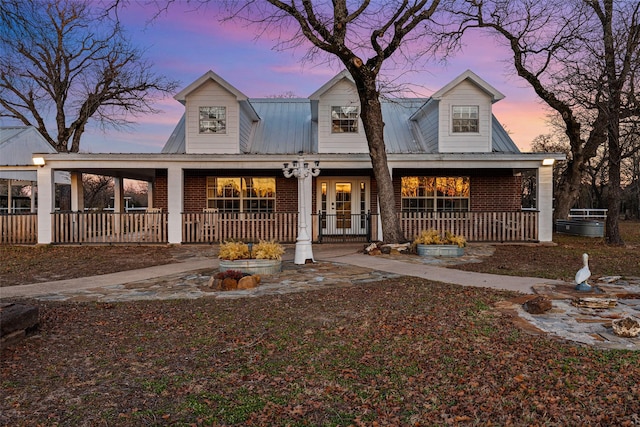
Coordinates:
(183,44)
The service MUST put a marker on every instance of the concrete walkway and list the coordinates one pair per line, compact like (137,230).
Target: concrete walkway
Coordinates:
(337,253)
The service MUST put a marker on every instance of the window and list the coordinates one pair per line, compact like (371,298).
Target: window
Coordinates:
(441,194)
(465,119)
(344,119)
(213,119)
(241,194)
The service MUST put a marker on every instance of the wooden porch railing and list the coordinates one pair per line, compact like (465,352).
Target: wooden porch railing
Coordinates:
(109,227)
(142,227)
(19,229)
(216,227)
(520,226)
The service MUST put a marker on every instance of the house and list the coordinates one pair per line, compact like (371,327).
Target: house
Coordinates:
(220,174)
(17,212)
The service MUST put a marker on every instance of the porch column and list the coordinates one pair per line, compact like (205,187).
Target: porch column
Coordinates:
(77,192)
(118,195)
(9,196)
(545,203)
(150,188)
(118,204)
(46,204)
(34,190)
(175,181)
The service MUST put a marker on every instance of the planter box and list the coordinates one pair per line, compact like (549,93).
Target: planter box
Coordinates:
(252,266)
(580,227)
(440,250)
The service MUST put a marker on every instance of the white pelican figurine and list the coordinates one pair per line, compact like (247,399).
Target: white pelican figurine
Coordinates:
(583,274)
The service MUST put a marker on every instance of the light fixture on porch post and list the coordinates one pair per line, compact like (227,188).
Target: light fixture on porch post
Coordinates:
(302,171)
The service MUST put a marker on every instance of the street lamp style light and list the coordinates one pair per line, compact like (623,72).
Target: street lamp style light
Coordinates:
(303,172)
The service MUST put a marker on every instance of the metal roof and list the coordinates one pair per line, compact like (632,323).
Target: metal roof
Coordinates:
(286,127)
(18,143)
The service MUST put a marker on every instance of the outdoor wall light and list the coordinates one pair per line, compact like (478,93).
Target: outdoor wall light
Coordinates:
(39,161)
(548,162)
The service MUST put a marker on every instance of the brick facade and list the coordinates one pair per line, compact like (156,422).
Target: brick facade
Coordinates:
(160,190)
(490,190)
(496,193)
(195,190)
(494,190)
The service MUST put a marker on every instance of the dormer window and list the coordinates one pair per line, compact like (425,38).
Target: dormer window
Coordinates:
(213,120)
(344,119)
(465,119)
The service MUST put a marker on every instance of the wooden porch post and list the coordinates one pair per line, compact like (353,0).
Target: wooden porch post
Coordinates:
(150,188)
(175,181)
(545,203)
(9,196)
(77,192)
(34,190)
(46,204)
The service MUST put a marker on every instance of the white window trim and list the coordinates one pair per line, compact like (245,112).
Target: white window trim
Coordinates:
(356,120)
(201,121)
(451,128)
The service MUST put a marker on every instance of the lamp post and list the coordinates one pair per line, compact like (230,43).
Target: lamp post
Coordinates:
(301,170)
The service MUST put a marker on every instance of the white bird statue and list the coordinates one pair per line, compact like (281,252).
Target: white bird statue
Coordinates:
(583,274)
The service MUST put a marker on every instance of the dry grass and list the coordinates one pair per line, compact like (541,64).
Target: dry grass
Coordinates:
(563,260)
(398,352)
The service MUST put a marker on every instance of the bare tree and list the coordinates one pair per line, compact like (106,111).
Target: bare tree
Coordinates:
(581,58)
(98,190)
(363,36)
(66,62)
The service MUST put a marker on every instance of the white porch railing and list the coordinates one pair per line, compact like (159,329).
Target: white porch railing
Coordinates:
(518,226)
(588,214)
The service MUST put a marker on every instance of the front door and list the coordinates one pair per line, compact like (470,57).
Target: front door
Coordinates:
(343,204)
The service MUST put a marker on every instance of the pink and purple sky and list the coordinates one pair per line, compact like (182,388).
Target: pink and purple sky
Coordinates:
(183,44)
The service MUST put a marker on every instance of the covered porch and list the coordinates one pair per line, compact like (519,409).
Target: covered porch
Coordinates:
(173,218)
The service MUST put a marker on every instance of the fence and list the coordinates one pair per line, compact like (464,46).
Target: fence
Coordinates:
(216,227)
(145,227)
(520,226)
(588,214)
(19,229)
(345,228)
(109,227)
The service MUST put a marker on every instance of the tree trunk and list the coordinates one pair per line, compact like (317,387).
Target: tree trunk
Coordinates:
(612,229)
(374,130)
(568,189)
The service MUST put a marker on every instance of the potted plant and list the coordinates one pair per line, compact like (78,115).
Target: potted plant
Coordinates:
(432,243)
(264,257)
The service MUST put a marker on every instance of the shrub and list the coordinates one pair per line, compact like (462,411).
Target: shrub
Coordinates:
(233,250)
(231,274)
(268,250)
(432,237)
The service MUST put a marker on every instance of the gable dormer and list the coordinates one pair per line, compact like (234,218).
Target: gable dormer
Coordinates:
(218,117)
(335,109)
(465,114)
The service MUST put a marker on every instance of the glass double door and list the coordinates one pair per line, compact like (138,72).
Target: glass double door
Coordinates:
(343,204)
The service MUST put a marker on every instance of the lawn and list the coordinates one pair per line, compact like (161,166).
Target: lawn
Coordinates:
(398,352)
(565,258)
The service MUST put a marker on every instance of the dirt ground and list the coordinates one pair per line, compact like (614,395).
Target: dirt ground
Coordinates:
(32,264)
(23,265)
